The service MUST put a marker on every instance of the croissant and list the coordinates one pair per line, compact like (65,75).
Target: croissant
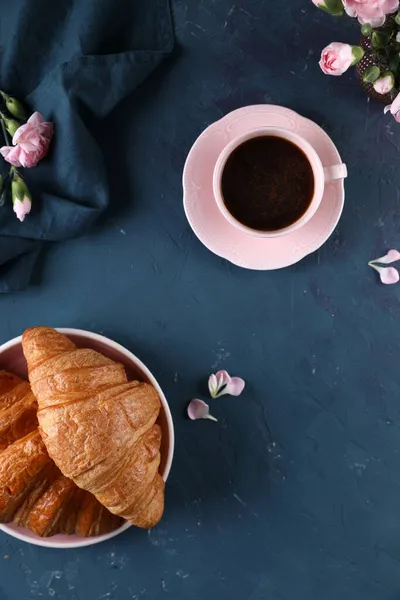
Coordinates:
(99,429)
(33,492)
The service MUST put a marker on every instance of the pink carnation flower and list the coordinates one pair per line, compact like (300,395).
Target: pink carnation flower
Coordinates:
(371,11)
(31,142)
(336,58)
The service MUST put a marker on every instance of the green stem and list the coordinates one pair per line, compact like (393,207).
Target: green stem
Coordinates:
(5,134)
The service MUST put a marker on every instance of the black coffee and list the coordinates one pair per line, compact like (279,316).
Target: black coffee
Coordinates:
(267,183)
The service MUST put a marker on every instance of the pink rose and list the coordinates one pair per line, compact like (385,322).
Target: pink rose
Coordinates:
(371,11)
(394,108)
(336,58)
(31,142)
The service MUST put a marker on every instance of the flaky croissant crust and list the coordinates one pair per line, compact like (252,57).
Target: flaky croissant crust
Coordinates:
(99,428)
(33,492)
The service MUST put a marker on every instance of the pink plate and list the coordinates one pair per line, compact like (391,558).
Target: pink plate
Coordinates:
(225,240)
(12,359)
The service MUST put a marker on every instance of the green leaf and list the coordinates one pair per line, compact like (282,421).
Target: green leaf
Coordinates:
(379,39)
(371,74)
(358,53)
(333,7)
(397,18)
(366,29)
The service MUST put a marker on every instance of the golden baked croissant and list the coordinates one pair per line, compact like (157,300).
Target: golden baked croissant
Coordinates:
(99,428)
(33,492)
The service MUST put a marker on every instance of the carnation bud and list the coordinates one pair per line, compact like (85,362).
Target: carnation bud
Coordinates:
(10,124)
(14,106)
(21,197)
(333,7)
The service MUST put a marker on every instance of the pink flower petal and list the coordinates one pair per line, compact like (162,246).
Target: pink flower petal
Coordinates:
(33,140)
(395,106)
(383,85)
(36,119)
(371,11)
(217,382)
(235,387)
(5,150)
(46,129)
(19,133)
(336,58)
(23,208)
(223,378)
(28,159)
(388,275)
(198,409)
(222,383)
(213,385)
(12,154)
(389,258)
(28,146)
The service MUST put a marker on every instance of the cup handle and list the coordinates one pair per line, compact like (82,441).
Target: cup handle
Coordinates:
(335,172)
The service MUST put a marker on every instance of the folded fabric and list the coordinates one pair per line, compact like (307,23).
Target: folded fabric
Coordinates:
(72,60)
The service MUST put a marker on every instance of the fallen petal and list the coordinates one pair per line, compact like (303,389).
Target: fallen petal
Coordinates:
(389,258)
(388,275)
(222,383)
(217,382)
(234,388)
(223,378)
(223,375)
(213,385)
(198,409)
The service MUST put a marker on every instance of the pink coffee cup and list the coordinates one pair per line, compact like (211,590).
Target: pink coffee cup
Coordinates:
(322,176)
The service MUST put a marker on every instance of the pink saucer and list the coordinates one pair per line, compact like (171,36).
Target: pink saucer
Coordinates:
(225,240)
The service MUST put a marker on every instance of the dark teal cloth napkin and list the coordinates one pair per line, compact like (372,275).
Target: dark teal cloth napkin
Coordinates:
(73,61)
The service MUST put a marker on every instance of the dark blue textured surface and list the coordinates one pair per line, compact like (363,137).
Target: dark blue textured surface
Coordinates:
(295,493)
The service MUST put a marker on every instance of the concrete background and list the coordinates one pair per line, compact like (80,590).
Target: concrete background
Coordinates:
(295,492)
